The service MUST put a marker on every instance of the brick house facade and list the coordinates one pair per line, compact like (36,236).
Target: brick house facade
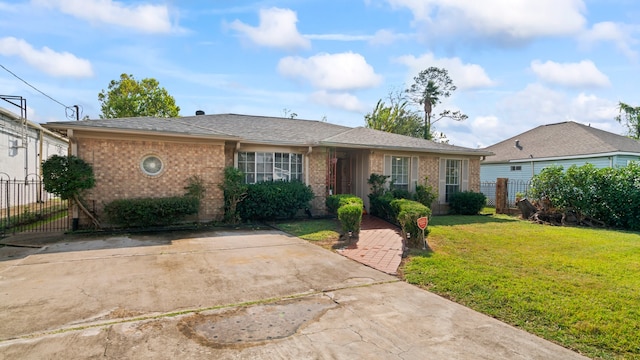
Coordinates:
(335,159)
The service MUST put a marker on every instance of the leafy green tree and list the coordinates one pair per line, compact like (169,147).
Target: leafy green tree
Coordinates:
(67,176)
(631,117)
(235,190)
(429,88)
(394,118)
(128,97)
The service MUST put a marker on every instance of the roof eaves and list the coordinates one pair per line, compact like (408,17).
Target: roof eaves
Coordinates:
(66,126)
(571,157)
(405,148)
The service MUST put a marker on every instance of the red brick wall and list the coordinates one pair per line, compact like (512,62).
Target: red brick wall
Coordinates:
(116,165)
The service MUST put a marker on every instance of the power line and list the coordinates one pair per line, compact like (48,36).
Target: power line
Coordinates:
(33,87)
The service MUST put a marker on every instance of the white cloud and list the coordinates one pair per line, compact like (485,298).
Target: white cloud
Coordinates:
(528,108)
(343,71)
(537,105)
(485,123)
(338,100)
(387,37)
(583,73)
(277,29)
(506,20)
(464,76)
(45,59)
(618,34)
(143,17)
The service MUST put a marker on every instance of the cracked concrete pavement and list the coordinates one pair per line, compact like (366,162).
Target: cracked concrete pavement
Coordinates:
(231,295)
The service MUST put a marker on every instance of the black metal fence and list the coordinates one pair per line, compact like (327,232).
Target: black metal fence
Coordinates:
(514,188)
(26,207)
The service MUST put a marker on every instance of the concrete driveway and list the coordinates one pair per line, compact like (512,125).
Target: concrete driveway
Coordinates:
(231,295)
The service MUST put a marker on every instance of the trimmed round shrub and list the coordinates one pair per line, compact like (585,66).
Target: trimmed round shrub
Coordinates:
(334,202)
(350,216)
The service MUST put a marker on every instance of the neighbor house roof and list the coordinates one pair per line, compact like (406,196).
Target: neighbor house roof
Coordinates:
(562,140)
(4,113)
(265,130)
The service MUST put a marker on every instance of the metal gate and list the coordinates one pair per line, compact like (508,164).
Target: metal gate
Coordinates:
(26,207)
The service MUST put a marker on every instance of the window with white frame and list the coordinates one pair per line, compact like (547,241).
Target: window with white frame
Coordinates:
(452,181)
(13,148)
(267,166)
(454,177)
(402,171)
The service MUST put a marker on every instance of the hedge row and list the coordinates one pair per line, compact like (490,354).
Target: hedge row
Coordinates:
(145,212)
(406,213)
(272,200)
(611,195)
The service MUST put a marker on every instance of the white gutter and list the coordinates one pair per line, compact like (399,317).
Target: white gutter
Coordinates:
(589,156)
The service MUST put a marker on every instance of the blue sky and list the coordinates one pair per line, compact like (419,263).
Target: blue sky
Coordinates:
(517,63)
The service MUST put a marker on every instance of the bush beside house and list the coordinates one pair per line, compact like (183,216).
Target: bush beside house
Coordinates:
(145,212)
(399,206)
(467,203)
(272,200)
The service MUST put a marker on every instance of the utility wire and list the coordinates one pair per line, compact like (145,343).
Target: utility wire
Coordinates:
(33,87)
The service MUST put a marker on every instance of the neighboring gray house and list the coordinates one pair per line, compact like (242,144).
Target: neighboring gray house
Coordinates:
(567,143)
(24,145)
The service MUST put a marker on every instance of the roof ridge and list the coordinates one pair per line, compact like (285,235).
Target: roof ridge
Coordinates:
(177,119)
(272,117)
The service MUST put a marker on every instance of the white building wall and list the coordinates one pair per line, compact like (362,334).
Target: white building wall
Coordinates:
(20,155)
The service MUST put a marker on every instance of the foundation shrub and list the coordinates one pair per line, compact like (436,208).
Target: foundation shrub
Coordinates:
(145,212)
(467,203)
(272,200)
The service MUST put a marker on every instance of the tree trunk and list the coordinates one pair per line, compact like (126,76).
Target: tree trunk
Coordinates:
(526,208)
(87,212)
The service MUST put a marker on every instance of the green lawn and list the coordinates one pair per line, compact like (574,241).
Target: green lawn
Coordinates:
(323,232)
(577,287)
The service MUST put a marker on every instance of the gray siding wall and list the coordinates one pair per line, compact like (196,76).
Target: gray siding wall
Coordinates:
(490,172)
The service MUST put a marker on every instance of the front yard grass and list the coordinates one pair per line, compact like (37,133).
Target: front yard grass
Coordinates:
(322,232)
(574,286)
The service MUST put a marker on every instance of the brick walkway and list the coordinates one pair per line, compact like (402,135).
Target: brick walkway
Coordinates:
(379,245)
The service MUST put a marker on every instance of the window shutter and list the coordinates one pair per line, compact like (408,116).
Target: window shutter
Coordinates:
(442,195)
(387,165)
(414,174)
(465,175)
(387,169)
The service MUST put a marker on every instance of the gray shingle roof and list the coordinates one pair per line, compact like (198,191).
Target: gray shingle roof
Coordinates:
(564,139)
(142,124)
(267,130)
(370,138)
